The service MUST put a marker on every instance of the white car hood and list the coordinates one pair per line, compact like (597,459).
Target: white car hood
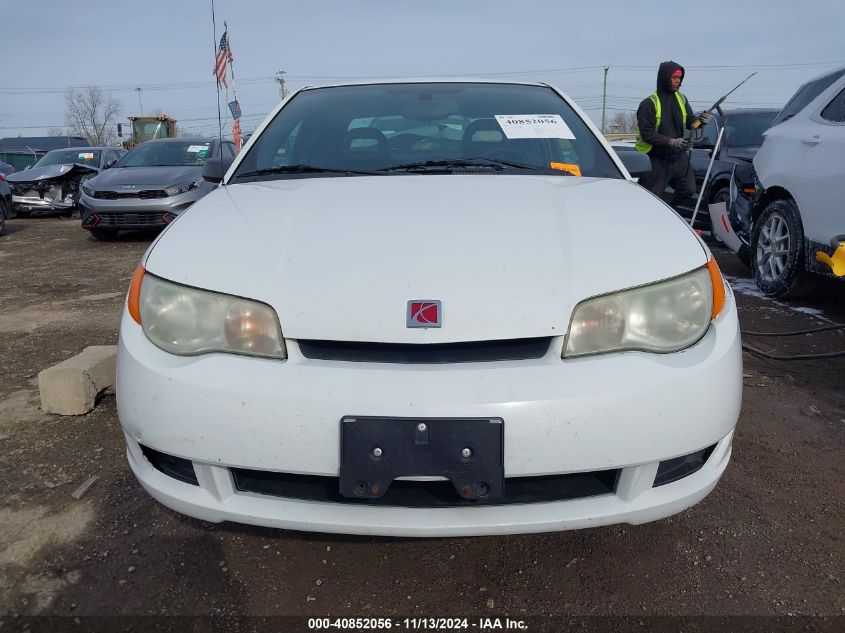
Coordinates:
(508,256)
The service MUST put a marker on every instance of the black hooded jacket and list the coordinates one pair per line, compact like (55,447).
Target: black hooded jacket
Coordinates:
(671,120)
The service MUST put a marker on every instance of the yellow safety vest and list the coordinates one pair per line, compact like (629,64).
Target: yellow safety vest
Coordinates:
(641,145)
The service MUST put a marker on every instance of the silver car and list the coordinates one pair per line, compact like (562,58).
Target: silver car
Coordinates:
(150,186)
(52,184)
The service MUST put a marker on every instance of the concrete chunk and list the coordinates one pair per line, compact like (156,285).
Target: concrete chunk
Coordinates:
(71,387)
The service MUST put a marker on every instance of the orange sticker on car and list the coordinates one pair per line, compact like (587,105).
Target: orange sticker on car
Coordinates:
(571,168)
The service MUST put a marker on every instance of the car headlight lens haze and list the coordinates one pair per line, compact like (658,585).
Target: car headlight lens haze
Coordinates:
(188,321)
(664,317)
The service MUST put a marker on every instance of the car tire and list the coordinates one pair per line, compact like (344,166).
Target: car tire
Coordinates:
(104,235)
(777,252)
(2,217)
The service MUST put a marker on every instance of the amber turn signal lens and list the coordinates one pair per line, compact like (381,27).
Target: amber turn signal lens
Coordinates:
(134,298)
(718,287)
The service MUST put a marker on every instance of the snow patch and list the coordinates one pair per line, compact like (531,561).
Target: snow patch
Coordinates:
(747,287)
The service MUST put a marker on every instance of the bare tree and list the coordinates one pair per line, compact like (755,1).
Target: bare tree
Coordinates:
(92,113)
(623,123)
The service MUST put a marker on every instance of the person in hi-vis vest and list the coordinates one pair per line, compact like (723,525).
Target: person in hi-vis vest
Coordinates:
(662,119)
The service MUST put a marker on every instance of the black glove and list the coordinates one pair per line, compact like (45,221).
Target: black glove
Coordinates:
(705,117)
(679,143)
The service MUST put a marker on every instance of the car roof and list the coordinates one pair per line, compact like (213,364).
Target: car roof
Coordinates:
(426,80)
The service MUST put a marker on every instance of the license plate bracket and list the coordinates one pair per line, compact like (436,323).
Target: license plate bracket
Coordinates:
(469,452)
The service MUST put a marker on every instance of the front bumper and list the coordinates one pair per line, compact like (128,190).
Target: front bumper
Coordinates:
(134,213)
(634,501)
(32,203)
(623,411)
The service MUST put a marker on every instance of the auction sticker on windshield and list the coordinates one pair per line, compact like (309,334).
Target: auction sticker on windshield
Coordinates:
(198,148)
(534,126)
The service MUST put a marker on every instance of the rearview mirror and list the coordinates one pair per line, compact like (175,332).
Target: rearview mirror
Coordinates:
(215,168)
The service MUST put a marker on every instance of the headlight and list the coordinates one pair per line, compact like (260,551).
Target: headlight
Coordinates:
(663,317)
(187,321)
(177,189)
(88,190)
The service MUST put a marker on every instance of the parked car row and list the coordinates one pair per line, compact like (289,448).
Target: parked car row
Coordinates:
(114,190)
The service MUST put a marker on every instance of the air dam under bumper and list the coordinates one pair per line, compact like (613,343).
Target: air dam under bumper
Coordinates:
(625,411)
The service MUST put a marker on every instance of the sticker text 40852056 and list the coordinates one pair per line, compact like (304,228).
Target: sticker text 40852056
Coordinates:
(534,126)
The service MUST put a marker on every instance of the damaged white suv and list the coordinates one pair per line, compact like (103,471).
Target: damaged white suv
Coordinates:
(414,309)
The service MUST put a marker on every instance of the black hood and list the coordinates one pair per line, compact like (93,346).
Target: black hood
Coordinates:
(664,73)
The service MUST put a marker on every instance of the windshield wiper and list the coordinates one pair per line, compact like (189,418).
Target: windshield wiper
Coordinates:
(458,163)
(305,169)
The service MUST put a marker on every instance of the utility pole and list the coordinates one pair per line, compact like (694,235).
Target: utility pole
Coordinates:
(280,78)
(140,105)
(604,99)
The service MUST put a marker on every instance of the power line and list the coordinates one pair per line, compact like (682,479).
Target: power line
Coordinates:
(188,85)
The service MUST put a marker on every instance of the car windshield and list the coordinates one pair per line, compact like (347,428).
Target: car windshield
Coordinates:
(166,153)
(67,156)
(415,128)
(746,130)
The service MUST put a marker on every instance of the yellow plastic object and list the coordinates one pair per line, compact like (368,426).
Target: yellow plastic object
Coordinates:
(573,169)
(835,261)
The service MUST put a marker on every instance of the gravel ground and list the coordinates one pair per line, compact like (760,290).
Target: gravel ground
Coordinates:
(766,543)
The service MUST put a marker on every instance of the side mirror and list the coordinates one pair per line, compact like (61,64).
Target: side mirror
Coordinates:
(109,163)
(215,168)
(637,163)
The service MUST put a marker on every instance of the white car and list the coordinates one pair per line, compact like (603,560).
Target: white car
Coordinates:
(415,309)
(799,210)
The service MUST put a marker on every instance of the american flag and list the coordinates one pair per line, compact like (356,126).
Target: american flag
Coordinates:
(224,56)
(235,109)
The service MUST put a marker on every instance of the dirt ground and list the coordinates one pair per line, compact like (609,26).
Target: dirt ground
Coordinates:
(767,542)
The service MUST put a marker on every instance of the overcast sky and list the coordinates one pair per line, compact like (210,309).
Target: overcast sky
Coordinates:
(167,49)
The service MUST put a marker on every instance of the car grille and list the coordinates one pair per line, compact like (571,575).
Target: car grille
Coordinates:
(432,353)
(145,218)
(427,494)
(147,194)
